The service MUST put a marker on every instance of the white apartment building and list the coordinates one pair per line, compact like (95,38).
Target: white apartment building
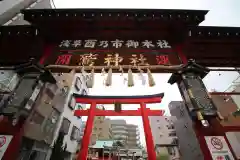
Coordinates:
(127,133)
(69,123)
(164,136)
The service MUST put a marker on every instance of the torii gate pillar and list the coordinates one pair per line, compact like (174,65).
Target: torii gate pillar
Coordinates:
(143,111)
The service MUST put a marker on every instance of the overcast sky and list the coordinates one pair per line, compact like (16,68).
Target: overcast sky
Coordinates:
(222,13)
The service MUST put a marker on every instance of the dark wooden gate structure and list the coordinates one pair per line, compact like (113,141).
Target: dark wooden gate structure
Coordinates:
(208,46)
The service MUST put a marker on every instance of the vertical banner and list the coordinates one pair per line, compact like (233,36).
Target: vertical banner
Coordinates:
(218,148)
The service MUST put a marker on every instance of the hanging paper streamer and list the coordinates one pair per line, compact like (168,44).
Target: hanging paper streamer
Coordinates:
(84,73)
(151,81)
(103,72)
(73,72)
(130,78)
(85,76)
(121,70)
(70,77)
(142,77)
(90,81)
(109,78)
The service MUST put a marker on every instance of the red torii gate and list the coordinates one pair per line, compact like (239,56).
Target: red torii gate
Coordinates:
(93,111)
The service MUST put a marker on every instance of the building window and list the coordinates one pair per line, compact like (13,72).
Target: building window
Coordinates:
(79,107)
(172,134)
(52,89)
(49,93)
(65,125)
(175,141)
(84,92)
(170,126)
(37,118)
(23,91)
(75,133)
(171,151)
(72,102)
(51,122)
(47,99)
(64,90)
(78,83)
(100,134)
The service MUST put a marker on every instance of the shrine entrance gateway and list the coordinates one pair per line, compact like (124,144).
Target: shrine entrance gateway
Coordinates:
(93,111)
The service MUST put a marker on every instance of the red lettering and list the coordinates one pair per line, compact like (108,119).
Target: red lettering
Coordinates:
(162,59)
(63,59)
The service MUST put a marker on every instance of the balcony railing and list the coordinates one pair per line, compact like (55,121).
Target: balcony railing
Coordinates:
(119,132)
(116,127)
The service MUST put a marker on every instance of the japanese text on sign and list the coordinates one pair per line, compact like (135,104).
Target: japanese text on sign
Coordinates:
(93,43)
(112,59)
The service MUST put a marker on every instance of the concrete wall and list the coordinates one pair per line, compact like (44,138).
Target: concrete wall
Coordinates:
(234,140)
(160,130)
(189,146)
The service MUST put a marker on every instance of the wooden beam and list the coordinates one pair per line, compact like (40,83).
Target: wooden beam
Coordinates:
(123,101)
(99,112)
(88,99)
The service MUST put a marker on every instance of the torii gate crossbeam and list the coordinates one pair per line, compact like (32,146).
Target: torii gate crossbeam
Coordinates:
(143,111)
(138,112)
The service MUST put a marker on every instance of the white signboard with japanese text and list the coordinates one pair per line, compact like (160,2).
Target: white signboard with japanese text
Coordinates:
(218,148)
(117,43)
(4,142)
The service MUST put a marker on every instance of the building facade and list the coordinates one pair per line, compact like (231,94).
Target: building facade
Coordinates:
(116,130)
(126,133)
(101,128)
(164,136)
(28,94)
(40,127)
(189,145)
(68,123)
